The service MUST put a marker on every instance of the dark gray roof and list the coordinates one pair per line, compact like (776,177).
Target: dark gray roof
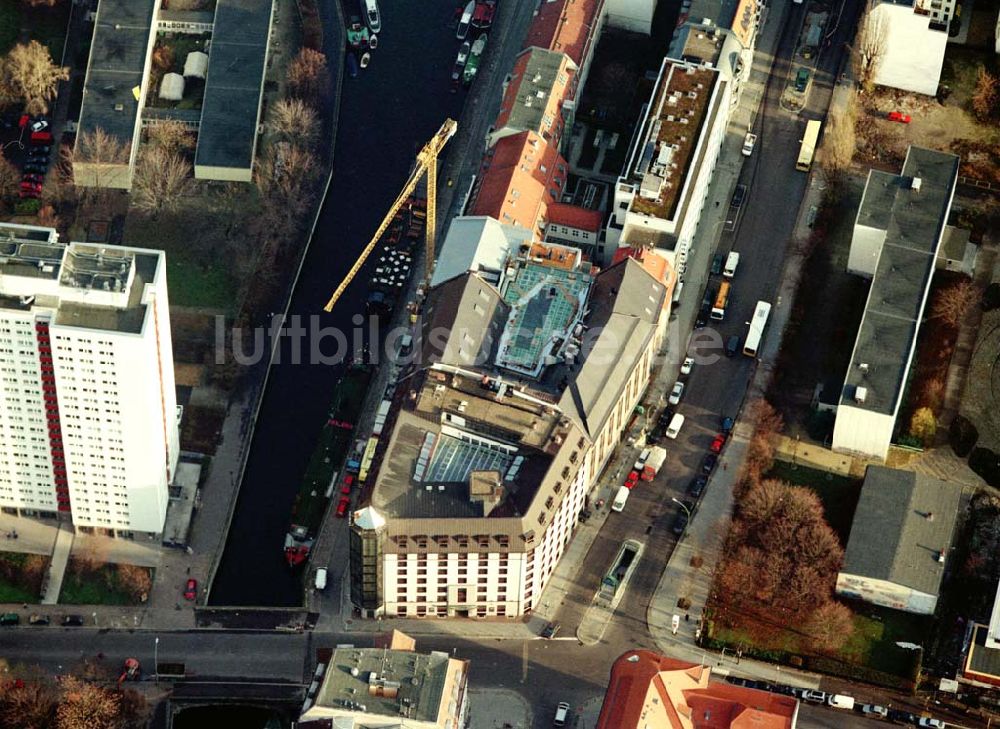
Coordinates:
(625,304)
(462,322)
(902,523)
(896,299)
(235,81)
(117,60)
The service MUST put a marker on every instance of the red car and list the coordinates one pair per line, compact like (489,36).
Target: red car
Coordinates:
(191,589)
(342,506)
(716,447)
(632,479)
(898,116)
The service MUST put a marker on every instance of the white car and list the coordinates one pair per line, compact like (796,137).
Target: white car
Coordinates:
(39,126)
(676,393)
(687,365)
(933,723)
(748,142)
(875,711)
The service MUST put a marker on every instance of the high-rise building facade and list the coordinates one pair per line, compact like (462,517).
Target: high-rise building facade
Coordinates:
(88,411)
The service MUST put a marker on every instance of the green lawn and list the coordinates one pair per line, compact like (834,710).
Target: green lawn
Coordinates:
(193,284)
(876,632)
(15,585)
(839,494)
(99,587)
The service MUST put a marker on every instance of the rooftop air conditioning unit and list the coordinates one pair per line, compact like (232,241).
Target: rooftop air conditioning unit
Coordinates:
(860,394)
(915,184)
(863,366)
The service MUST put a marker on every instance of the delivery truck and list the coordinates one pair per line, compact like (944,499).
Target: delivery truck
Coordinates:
(657,456)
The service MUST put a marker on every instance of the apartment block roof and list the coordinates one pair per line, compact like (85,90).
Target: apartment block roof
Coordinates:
(565,26)
(912,208)
(114,77)
(227,136)
(521,175)
(462,321)
(477,243)
(647,689)
(663,156)
(533,98)
(655,264)
(903,523)
(574,216)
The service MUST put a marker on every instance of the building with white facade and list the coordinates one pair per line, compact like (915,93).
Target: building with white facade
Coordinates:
(88,412)
(659,196)
(635,16)
(914,43)
(496,436)
(897,237)
(390,685)
(900,539)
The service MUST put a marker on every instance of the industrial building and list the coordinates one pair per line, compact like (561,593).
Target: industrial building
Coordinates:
(521,389)
(897,237)
(88,413)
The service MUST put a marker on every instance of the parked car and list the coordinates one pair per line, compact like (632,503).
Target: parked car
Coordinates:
(33,177)
(38,620)
(687,365)
(717,260)
(676,394)
(929,722)
(717,443)
(191,589)
(40,151)
(902,717)
(748,143)
(814,697)
(562,714)
(697,486)
(702,319)
(680,522)
(35,167)
(874,711)
(29,185)
(739,195)
(342,506)
(39,125)
(708,463)
(631,480)
(345,490)
(802,80)
(898,116)
(10,619)
(732,345)
(550,630)
(43,137)
(72,621)
(726,426)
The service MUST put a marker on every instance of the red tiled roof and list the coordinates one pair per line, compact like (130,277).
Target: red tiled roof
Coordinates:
(657,266)
(518,180)
(574,216)
(715,706)
(564,25)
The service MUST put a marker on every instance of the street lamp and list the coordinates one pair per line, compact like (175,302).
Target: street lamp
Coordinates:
(156,659)
(684,506)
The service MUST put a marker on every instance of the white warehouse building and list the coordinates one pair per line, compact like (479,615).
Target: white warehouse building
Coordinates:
(88,410)
(897,237)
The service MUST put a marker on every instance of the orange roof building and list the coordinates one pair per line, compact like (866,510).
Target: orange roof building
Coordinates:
(521,175)
(534,95)
(571,27)
(655,263)
(574,225)
(652,690)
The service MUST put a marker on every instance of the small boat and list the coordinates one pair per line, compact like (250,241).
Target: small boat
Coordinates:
(298,544)
(482,16)
(352,64)
(463,54)
(472,65)
(373,42)
(372,15)
(366,58)
(465,20)
(357,34)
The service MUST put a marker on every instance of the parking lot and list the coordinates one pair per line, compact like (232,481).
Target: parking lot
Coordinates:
(28,144)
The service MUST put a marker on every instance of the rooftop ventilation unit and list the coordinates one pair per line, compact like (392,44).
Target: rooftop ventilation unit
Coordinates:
(915,184)
(863,366)
(860,395)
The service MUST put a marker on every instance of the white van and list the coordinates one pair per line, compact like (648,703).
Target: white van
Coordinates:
(640,462)
(676,423)
(321,578)
(678,287)
(731,263)
(620,498)
(562,714)
(840,701)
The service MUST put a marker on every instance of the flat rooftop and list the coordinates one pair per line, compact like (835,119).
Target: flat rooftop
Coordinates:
(536,93)
(117,60)
(546,302)
(228,133)
(912,208)
(663,156)
(699,43)
(394,683)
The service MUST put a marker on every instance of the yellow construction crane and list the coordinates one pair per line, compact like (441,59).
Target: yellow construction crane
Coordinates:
(426,163)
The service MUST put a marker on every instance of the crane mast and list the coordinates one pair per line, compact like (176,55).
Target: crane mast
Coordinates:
(426,163)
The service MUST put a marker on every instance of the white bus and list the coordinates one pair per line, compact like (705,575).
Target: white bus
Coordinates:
(757,326)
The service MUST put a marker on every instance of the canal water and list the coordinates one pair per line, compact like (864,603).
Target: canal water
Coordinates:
(386,115)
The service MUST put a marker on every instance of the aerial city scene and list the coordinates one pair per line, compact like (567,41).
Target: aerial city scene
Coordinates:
(499,364)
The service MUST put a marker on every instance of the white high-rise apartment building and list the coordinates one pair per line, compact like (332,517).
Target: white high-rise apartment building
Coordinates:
(88,410)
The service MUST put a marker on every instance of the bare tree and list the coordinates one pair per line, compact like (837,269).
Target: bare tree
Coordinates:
(839,140)
(284,176)
(27,704)
(28,75)
(10,178)
(99,147)
(870,44)
(134,579)
(87,705)
(829,626)
(292,120)
(986,95)
(171,135)
(95,166)
(161,180)
(955,302)
(308,76)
